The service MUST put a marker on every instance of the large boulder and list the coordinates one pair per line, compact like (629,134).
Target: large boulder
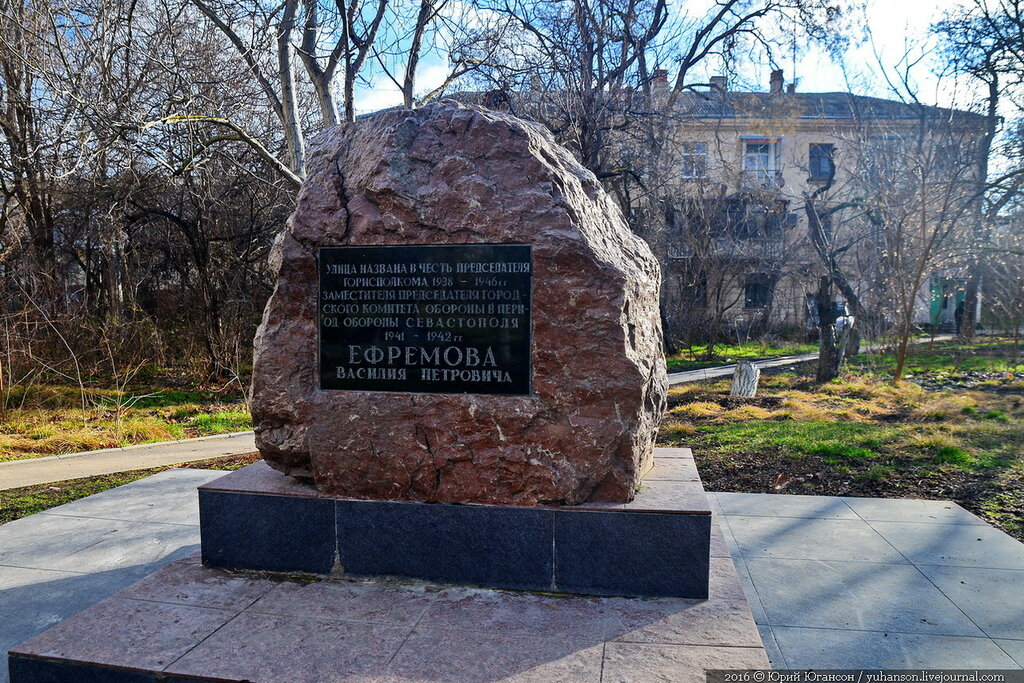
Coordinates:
(584,428)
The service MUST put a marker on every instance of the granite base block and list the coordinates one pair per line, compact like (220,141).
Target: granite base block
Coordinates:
(38,670)
(658,545)
(267,532)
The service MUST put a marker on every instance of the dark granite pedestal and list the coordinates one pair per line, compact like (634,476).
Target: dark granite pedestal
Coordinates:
(657,545)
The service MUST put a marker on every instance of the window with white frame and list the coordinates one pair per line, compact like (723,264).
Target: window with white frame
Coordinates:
(694,160)
(761,154)
(761,160)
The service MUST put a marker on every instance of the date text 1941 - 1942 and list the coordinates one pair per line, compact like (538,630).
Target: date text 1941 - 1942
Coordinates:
(426,318)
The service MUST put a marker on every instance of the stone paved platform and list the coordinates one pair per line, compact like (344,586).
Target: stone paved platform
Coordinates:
(831,581)
(189,622)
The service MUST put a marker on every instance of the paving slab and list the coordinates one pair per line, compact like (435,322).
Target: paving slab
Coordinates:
(133,633)
(686,622)
(810,539)
(506,613)
(33,600)
(95,545)
(165,498)
(855,595)
(632,662)
(267,647)
(875,591)
(811,507)
(402,605)
(647,641)
(771,648)
(753,597)
(958,545)
(816,648)
(923,511)
(992,598)
(56,563)
(473,657)
(719,544)
(1014,648)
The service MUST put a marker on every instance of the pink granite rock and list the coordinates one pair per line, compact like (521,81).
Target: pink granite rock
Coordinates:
(452,174)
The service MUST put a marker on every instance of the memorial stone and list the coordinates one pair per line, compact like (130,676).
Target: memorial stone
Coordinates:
(461,315)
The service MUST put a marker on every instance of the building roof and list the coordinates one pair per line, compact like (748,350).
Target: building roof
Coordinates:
(824,105)
(717,104)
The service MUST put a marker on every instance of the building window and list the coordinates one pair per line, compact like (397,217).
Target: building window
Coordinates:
(761,163)
(694,160)
(759,156)
(757,293)
(821,161)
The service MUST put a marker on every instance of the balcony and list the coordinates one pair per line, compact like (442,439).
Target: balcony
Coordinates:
(761,181)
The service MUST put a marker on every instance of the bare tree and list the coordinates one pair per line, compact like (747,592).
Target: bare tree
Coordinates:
(982,42)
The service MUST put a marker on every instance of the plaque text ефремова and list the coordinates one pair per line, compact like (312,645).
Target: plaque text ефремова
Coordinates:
(426,318)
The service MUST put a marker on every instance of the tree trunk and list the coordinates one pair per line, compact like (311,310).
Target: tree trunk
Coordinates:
(969,319)
(829,352)
(409,80)
(901,348)
(289,99)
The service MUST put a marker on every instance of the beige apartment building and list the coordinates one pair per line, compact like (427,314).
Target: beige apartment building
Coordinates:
(735,246)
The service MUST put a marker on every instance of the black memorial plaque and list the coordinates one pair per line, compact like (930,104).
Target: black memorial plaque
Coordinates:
(451,319)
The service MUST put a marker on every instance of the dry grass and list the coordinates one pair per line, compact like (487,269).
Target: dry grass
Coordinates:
(697,409)
(49,420)
(860,435)
(853,417)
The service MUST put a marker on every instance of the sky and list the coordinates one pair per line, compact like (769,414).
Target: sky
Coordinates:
(893,26)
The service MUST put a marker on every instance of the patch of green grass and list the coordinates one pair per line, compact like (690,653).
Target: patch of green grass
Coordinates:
(842,450)
(797,438)
(947,358)
(1004,509)
(876,473)
(953,456)
(949,436)
(222,421)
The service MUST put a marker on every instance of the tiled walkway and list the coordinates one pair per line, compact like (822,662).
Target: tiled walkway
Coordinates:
(872,583)
(832,582)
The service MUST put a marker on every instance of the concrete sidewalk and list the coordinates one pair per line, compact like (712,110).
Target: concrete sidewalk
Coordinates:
(782,361)
(839,583)
(727,370)
(107,461)
(832,582)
